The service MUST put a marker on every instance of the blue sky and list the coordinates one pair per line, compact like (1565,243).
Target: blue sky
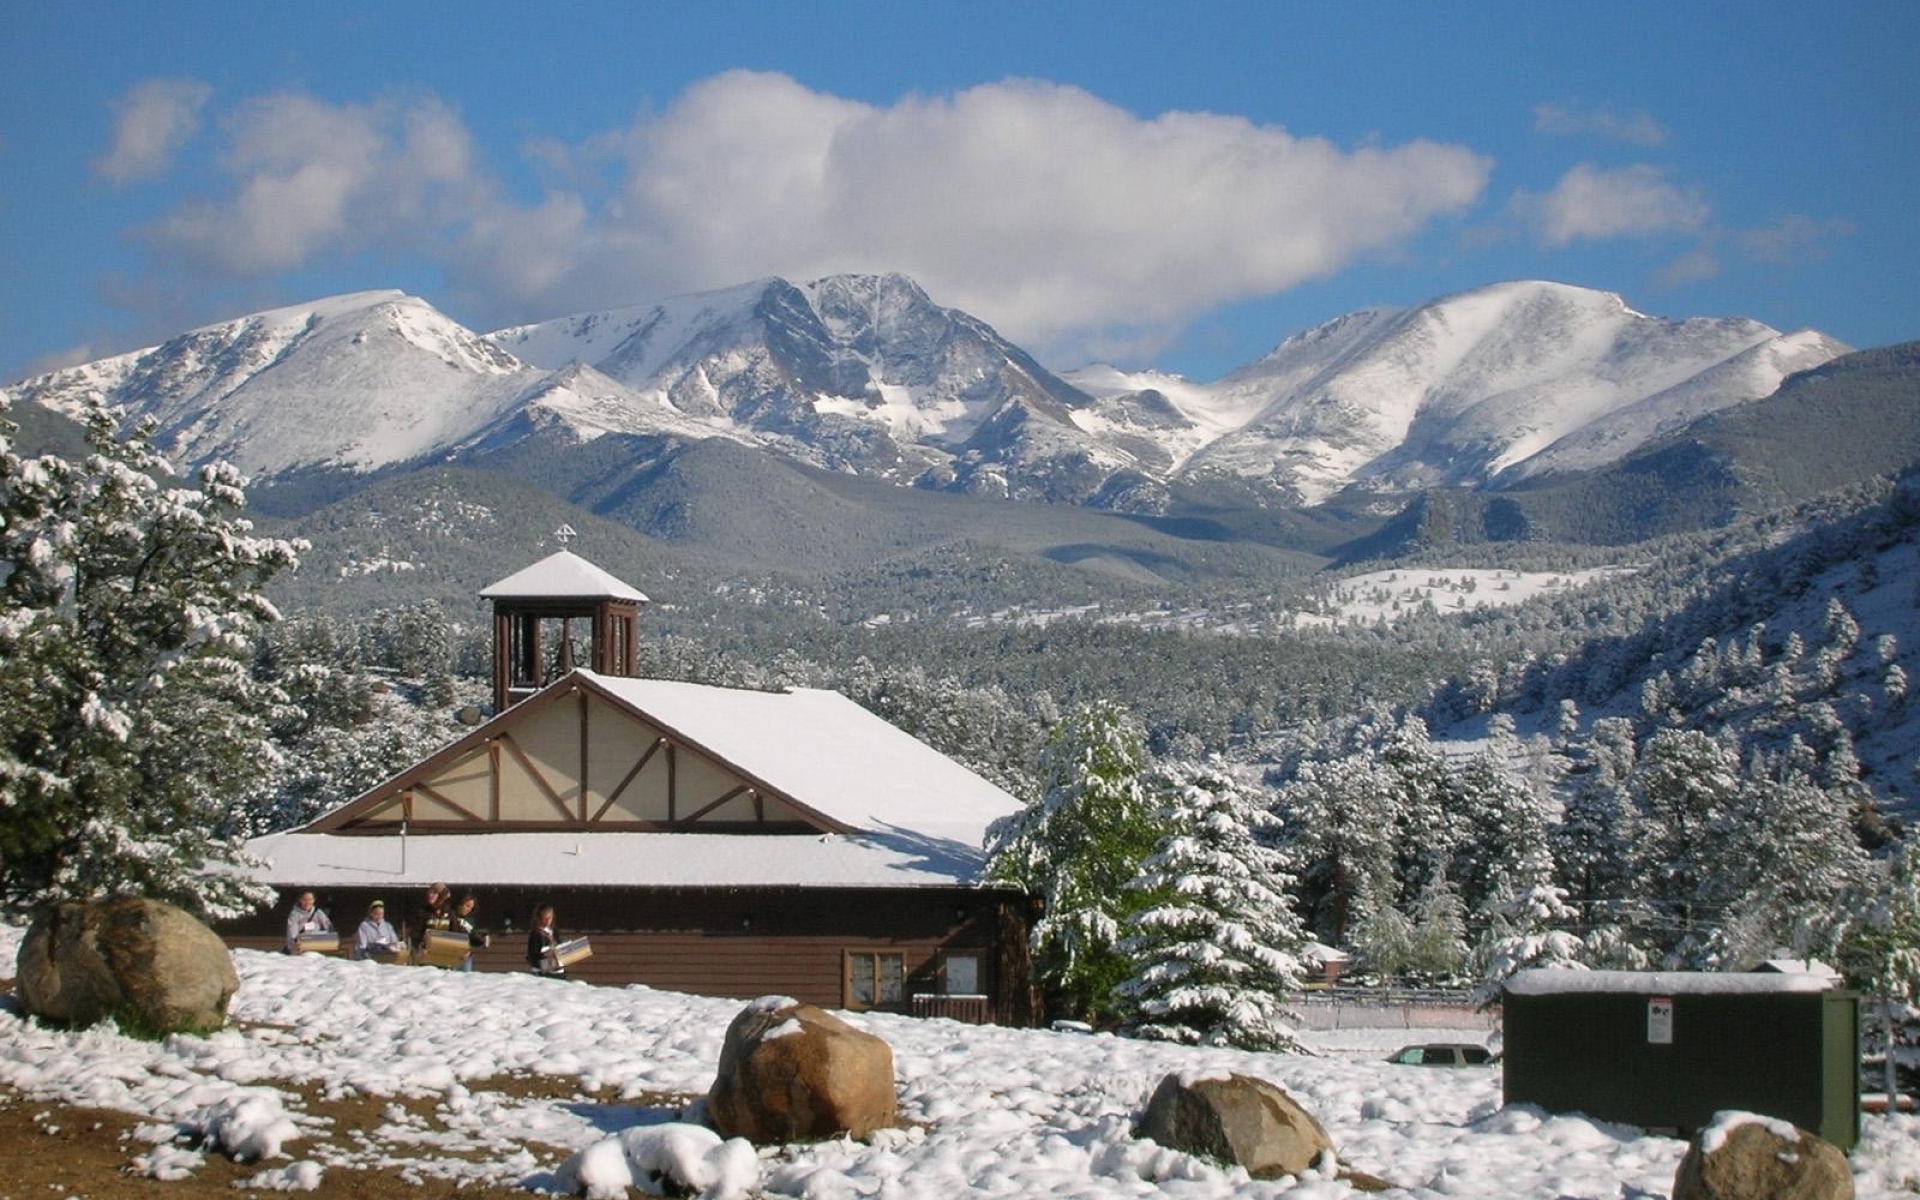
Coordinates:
(1176,185)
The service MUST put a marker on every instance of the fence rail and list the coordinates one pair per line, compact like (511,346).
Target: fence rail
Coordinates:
(971,1009)
(1390,1008)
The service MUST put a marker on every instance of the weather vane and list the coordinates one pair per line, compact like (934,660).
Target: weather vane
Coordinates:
(565,534)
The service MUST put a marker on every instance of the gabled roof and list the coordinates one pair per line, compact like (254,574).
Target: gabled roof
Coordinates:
(826,753)
(562,573)
(891,810)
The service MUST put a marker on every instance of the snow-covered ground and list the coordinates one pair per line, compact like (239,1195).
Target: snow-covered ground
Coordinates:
(1366,599)
(991,1112)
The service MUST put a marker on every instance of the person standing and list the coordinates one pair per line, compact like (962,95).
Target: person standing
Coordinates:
(375,938)
(542,941)
(306,917)
(462,922)
(435,913)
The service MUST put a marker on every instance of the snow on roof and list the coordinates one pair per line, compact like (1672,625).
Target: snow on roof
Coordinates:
(1801,966)
(1551,981)
(921,818)
(828,753)
(1320,952)
(562,573)
(615,859)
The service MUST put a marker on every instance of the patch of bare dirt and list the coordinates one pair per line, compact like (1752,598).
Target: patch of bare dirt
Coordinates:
(57,1150)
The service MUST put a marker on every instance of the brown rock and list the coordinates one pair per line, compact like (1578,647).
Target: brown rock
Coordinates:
(1754,1161)
(146,963)
(1239,1119)
(790,1072)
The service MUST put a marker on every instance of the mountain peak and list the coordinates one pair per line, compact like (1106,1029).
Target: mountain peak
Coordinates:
(866,374)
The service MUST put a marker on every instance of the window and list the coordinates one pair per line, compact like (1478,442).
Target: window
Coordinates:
(960,975)
(874,979)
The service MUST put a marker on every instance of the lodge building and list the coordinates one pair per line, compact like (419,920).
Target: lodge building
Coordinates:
(713,840)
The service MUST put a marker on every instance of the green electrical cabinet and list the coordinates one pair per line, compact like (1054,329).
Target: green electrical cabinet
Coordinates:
(1668,1049)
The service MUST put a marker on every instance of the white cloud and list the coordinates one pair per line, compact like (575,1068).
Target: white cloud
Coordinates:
(151,123)
(312,178)
(1695,266)
(1792,240)
(1591,203)
(1039,207)
(1572,120)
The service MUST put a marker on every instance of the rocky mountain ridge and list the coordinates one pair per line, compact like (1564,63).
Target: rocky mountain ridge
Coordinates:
(867,375)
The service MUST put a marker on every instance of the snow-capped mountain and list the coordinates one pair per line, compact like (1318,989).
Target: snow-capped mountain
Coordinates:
(866,375)
(1487,386)
(853,372)
(359,382)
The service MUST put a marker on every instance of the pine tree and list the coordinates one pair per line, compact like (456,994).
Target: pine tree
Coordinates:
(1881,952)
(1505,842)
(1801,856)
(132,726)
(1685,863)
(1219,945)
(1077,847)
(1590,844)
(1427,828)
(1530,930)
(1338,820)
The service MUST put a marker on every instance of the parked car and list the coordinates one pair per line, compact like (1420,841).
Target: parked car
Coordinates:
(1444,1054)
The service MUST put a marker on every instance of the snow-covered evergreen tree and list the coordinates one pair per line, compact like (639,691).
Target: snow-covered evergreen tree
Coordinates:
(1687,789)
(132,725)
(1530,930)
(1077,847)
(1339,819)
(1504,847)
(1218,946)
(1881,952)
(1591,841)
(1882,949)
(1428,830)
(1799,857)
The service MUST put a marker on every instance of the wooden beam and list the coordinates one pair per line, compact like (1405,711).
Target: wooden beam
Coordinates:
(729,794)
(540,781)
(583,756)
(493,778)
(443,799)
(630,776)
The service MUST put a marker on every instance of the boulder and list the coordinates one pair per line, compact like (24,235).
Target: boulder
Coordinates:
(147,964)
(1237,1119)
(790,1072)
(1740,1156)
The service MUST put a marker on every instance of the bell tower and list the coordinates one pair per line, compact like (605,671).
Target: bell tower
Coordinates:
(537,607)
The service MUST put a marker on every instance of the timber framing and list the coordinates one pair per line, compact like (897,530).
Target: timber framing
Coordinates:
(577,757)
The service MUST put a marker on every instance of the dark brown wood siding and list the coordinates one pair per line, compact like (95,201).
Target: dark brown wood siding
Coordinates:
(734,942)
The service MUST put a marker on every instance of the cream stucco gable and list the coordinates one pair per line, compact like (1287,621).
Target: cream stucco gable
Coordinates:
(576,757)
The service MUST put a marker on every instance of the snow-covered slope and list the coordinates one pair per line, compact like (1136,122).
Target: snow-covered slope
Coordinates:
(867,375)
(1753,373)
(1467,387)
(360,381)
(853,372)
